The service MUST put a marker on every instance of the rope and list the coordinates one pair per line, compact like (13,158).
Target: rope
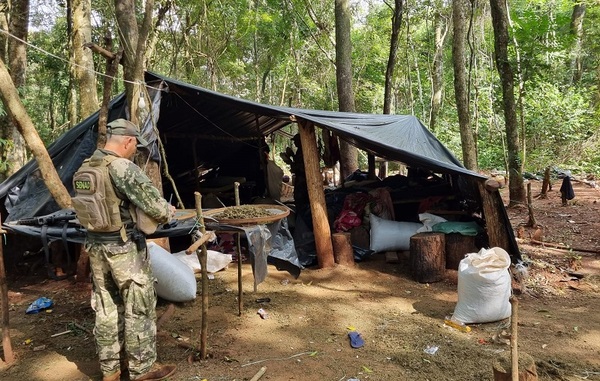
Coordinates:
(69,62)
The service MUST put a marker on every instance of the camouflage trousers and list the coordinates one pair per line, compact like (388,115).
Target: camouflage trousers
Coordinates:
(124,300)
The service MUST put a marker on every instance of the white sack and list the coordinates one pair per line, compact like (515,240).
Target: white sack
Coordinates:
(484,287)
(215,260)
(389,235)
(428,220)
(176,281)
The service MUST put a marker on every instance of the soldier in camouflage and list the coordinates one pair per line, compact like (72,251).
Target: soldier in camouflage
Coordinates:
(123,297)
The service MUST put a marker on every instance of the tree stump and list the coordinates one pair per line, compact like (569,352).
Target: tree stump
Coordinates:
(428,257)
(457,246)
(503,369)
(342,249)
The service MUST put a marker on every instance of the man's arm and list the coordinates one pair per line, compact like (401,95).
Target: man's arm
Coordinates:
(130,180)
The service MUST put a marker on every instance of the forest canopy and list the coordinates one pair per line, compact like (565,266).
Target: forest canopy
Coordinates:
(283,53)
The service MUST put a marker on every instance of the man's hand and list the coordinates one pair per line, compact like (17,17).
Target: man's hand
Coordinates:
(171,212)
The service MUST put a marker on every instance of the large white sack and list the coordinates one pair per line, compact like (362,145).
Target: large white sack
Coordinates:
(215,260)
(389,235)
(175,280)
(484,287)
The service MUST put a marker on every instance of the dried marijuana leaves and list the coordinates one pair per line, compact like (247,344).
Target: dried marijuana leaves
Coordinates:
(242,212)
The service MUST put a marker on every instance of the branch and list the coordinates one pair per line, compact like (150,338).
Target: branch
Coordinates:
(100,50)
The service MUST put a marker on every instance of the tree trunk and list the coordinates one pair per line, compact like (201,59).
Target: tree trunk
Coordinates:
(18,22)
(501,38)
(577,33)
(18,114)
(83,58)
(343,59)
(461,86)
(133,41)
(394,41)
(437,75)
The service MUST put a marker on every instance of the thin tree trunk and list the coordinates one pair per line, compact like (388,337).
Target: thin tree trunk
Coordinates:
(343,58)
(18,114)
(501,39)
(83,58)
(437,79)
(18,25)
(391,64)
(577,32)
(460,84)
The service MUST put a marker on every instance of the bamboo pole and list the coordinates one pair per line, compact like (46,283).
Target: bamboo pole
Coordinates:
(203,255)
(9,356)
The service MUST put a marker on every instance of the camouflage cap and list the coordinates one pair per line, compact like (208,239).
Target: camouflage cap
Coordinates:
(126,128)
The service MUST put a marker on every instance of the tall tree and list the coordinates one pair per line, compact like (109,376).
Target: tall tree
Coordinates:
(15,154)
(461,85)
(501,39)
(440,25)
(391,64)
(343,60)
(577,33)
(83,63)
(133,39)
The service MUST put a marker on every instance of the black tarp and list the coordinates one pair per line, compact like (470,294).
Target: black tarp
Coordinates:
(200,128)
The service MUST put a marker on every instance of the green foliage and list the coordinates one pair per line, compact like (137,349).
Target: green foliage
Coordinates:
(283,52)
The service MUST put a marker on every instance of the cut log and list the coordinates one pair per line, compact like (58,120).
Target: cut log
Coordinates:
(503,369)
(428,257)
(457,246)
(342,249)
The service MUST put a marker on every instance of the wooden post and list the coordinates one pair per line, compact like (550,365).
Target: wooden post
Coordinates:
(428,257)
(203,259)
(496,229)
(9,356)
(514,351)
(238,246)
(522,366)
(371,163)
(316,196)
(531,221)
(342,249)
(546,184)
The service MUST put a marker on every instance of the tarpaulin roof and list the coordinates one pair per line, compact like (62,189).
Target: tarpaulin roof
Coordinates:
(200,126)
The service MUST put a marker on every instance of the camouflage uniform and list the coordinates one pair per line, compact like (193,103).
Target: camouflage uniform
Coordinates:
(123,297)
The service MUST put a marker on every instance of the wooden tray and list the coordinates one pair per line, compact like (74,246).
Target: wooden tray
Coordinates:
(278,212)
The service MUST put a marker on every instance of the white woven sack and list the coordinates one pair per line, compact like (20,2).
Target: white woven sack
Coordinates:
(484,287)
(389,235)
(175,281)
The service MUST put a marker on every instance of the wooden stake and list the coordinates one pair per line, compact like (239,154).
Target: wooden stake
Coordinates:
(514,352)
(259,374)
(238,244)
(9,356)
(203,259)
(531,222)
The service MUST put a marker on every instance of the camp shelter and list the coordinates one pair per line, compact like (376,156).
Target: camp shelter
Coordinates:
(211,136)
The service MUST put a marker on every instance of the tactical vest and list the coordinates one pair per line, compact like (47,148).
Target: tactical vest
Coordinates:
(95,201)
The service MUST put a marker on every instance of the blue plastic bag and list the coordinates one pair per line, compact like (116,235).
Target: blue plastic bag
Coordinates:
(39,305)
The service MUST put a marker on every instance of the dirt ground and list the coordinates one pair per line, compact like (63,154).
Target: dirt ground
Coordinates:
(305,336)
